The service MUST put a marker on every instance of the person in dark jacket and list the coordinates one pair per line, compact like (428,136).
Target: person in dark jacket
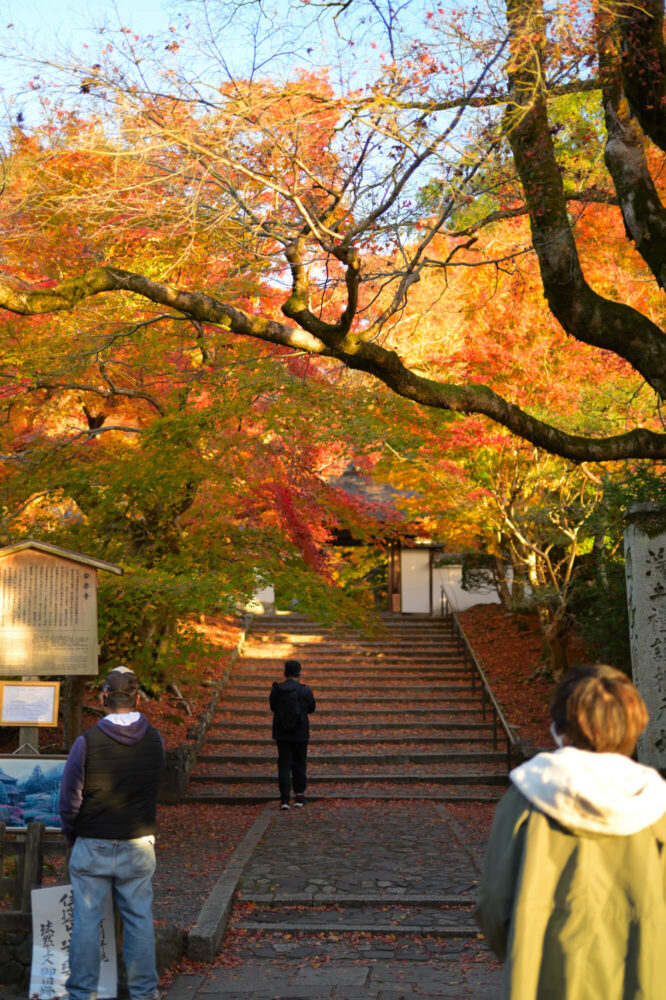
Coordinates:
(291,703)
(108,800)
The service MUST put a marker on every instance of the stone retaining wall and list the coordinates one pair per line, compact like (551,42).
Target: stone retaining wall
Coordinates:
(181,760)
(15,948)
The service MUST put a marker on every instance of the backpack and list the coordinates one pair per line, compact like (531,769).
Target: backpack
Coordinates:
(288,711)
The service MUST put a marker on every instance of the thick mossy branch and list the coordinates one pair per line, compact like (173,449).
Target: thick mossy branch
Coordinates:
(352,351)
(297,306)
(195,305)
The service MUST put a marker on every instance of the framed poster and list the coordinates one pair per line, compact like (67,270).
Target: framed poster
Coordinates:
(29,703)
(30,790)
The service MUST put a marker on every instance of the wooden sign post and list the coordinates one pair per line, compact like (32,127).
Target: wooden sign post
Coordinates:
(48,615)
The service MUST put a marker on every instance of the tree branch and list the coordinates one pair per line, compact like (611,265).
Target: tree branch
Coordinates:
(641,24)
(583,313)
(643,213)
(592,196)
(352,351)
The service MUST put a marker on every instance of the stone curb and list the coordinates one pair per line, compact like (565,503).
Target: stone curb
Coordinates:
(450,930)
(204,938)
(325,898)
(185,987)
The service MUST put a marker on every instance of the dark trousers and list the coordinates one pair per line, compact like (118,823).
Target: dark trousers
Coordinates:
(292,765)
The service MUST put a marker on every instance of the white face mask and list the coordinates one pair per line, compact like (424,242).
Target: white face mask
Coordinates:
(556,736)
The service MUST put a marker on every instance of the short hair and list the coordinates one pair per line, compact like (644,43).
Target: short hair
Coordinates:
(598,708)
(292,668)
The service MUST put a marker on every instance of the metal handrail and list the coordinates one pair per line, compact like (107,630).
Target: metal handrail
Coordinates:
(478,673)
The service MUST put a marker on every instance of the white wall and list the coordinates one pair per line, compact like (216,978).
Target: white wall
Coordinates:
(415,581)
(450,578)
(263,601)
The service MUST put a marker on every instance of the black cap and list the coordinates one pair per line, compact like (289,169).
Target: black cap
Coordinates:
(121,686)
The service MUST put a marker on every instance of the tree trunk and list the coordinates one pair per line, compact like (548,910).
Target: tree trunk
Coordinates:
(519,585)
(503,589)
(556,635)
(72,709)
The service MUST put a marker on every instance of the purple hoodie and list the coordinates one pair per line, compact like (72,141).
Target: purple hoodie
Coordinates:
(74,773)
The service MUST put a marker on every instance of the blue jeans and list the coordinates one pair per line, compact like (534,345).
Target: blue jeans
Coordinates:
(126,868)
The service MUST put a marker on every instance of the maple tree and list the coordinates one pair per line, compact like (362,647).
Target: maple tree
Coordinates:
(202,470)
(532,514)
(481,489)
(320,187)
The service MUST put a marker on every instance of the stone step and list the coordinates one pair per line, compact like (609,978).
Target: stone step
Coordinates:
(347,665)
(384,637)
(241,796)
(458,725)
(249,685)
(360,649)
(314,759)
(344,672)
(313,966)
(408,713)
(308,642)
(381,636)
(323,895)
(409,703)
(385,620)
(319,741)
(314,634)
(309,924)
(357,649)
(351,778)
(328,693)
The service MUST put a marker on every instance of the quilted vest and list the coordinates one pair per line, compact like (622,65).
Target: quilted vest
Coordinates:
(120,790)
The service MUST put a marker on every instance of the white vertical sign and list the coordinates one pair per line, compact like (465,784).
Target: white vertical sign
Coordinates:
(52,919)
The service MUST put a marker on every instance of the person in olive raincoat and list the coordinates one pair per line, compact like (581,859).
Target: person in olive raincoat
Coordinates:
(573,894)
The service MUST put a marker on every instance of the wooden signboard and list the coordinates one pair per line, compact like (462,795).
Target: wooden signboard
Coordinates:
(48,611)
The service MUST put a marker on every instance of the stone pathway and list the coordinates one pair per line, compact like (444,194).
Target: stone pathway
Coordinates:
(354,901)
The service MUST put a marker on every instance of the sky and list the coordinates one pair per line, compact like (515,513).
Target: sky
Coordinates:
(71,18)
(289,35)
(50,25)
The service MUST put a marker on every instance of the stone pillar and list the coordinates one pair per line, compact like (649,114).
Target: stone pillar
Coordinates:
(645,561)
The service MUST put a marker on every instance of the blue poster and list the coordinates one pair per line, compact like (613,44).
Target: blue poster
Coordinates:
(30,789)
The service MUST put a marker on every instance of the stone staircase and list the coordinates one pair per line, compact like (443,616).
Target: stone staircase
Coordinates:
(397,717)
(368,892)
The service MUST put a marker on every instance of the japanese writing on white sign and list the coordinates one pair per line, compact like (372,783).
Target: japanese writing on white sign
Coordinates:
(52,921)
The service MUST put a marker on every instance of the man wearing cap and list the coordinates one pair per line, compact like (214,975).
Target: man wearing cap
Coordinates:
(108,799)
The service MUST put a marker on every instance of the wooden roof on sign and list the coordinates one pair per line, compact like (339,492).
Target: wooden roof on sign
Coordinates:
(56,550)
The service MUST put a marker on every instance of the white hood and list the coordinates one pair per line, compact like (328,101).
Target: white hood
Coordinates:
(595,792)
